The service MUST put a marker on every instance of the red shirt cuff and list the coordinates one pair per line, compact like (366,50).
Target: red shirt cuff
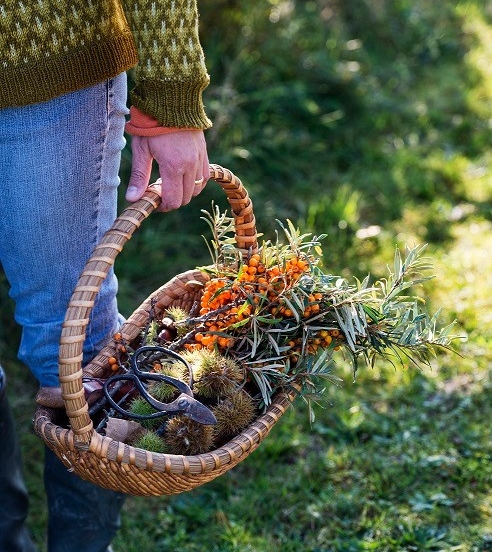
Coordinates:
(141,124)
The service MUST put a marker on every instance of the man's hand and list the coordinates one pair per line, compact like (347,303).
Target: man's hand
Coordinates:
(183,166)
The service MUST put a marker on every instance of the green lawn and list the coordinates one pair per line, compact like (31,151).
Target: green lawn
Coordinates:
(401,460)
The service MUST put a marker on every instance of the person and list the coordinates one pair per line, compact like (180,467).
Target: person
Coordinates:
(63,111)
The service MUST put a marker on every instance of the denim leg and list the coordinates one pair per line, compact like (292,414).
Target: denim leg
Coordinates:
(14,501)
(82,517)
(59,163)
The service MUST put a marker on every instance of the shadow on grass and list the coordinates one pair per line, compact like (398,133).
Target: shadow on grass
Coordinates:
(395,465)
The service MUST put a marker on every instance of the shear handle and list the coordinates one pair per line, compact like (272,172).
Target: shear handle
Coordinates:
(137,379)
(165,352)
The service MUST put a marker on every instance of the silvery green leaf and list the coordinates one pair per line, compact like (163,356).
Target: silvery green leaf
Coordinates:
(274,344)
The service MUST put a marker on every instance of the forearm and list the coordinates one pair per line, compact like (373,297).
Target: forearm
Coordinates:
(171,74)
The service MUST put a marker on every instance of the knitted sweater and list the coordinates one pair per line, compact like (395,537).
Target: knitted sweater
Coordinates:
(50,47)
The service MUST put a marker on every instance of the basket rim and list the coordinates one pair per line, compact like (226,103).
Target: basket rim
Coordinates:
(232,452)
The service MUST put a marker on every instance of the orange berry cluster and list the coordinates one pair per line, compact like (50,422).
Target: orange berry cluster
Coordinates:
(235,299)
(115,361)
(312,307)
(259,289)
(322,339)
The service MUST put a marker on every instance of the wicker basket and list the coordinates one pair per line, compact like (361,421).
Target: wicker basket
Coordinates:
(105,461)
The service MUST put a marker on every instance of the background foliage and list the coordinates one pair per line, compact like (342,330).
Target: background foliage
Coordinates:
(369,121)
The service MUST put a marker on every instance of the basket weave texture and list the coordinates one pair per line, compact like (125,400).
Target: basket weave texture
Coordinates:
(113,464)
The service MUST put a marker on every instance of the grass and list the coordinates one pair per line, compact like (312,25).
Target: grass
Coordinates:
(400,459)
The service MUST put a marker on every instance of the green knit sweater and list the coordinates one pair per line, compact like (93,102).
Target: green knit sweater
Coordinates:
(50,47)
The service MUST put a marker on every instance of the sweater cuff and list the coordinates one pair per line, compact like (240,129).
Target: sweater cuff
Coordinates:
(173,103)
(141,124)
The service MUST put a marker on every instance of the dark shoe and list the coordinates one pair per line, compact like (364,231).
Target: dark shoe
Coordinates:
(14,501)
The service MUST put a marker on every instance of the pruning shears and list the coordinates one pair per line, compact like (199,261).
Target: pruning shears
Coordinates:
(184,404)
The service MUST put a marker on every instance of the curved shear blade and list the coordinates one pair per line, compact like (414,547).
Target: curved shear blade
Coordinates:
(196,411)
(188,406)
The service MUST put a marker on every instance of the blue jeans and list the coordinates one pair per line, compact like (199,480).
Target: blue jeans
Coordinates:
(59,163)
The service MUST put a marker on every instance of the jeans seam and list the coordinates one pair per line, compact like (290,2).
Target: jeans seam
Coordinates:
(99,171)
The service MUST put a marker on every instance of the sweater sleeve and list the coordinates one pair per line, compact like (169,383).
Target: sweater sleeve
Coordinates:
(171,74)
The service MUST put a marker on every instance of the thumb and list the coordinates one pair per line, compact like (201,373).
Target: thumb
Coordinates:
(141,169)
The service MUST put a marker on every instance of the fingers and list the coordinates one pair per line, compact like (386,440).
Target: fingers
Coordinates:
(203,174)
(141,168)
(181,161)
(183,166)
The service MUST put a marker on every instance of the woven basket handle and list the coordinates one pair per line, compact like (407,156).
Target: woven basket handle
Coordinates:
(97,268)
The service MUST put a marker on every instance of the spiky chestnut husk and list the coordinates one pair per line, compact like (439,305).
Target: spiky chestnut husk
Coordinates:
(163,391)
(141,407)
(172,368)
(150,441)
(184,436)
(215,375)
(179,316)
(233,413)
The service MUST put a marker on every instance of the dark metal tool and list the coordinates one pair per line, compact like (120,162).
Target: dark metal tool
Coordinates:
(184,404)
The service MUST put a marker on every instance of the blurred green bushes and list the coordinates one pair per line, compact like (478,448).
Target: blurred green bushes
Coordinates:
(337,115)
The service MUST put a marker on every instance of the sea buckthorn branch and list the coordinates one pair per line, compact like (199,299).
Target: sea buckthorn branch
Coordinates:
(283,319)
